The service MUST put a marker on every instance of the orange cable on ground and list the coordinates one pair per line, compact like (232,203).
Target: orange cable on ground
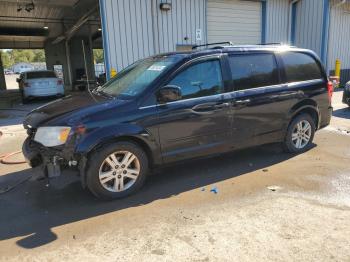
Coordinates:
(3,158)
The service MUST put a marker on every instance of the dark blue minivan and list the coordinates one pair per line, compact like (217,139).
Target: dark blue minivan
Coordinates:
(177,106)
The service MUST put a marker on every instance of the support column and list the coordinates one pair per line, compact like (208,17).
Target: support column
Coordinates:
(55,54)
(2,76)
(77,58)
(69,67)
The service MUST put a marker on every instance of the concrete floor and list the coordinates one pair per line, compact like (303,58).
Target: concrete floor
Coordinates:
(270,206)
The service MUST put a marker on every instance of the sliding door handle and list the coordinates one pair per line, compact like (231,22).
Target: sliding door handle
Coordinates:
(242,102)
(222,106)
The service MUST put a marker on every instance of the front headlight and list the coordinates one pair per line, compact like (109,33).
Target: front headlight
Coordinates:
(52,135)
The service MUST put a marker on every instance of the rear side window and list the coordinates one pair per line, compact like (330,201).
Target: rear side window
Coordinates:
(300,67)
(41,74)
(253,70)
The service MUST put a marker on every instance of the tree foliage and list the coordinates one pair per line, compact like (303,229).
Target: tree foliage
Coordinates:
(6,59)
(98,56)
(11,57)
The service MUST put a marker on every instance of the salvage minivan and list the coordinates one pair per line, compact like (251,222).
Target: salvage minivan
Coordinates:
(177,106)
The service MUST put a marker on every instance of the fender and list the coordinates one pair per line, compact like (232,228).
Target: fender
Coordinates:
(100,136)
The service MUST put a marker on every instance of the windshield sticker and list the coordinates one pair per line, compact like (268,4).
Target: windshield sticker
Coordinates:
(156,68)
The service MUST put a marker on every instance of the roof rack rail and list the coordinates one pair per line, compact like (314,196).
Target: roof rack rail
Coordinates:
(271,44)
(219,43)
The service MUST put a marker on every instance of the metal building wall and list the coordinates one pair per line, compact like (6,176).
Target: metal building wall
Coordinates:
(277,24)
(309,24)
(178,26)
(134,29)
(339,39)
(127,31)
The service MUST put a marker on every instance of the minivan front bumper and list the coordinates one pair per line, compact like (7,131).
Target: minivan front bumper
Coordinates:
(31,154)
(51,160)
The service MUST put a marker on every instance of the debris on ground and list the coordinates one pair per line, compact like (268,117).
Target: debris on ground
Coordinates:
(214,190)
(274,188)
(265,170)
(203,189)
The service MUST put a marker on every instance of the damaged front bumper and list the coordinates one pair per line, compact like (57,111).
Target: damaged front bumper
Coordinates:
(51,160)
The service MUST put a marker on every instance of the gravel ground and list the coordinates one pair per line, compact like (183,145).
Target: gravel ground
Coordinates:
(269,206)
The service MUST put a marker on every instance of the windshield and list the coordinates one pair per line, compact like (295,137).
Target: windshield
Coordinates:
(137,77)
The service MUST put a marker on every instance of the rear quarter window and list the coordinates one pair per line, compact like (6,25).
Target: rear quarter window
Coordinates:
(300,67)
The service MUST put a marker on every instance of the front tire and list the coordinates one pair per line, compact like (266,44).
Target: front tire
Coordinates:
(116,170)
(300,134)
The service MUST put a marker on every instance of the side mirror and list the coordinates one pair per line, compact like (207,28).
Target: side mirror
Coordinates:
(169,93)
(18,80)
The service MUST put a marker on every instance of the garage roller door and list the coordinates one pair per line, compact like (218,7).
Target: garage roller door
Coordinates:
(233,20)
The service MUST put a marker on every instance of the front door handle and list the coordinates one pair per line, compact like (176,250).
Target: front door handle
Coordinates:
(209,107)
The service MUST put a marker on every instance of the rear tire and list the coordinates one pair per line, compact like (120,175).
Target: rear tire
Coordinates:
(300,134)
(116,170)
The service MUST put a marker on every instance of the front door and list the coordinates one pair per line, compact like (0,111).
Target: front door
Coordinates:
(199,123)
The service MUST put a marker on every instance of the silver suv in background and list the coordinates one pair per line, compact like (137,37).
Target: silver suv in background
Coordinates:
(43,83)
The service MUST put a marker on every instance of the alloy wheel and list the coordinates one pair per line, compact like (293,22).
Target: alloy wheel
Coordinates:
(301,134)
(119,171)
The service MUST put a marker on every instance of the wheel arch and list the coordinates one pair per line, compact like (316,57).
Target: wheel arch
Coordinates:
(309,107)
(125,138)
(84,162)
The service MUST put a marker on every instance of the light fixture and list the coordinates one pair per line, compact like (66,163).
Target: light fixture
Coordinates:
(165,6)
(46,27)
(99,29)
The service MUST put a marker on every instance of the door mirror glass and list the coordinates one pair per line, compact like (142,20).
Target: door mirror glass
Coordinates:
(169,93)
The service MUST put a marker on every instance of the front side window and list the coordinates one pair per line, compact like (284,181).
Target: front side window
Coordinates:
(253,70)
(300,67)
(202,79)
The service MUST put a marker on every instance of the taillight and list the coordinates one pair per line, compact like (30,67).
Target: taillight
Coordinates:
(330,91)
(59,82)
(25,84)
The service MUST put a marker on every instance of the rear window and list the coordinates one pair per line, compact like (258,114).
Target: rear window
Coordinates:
(300,67)
(41,74)
(253,70)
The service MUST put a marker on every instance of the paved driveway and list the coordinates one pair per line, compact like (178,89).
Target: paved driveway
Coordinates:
(268,206)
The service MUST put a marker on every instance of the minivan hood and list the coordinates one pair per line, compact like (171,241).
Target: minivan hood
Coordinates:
(60,107)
